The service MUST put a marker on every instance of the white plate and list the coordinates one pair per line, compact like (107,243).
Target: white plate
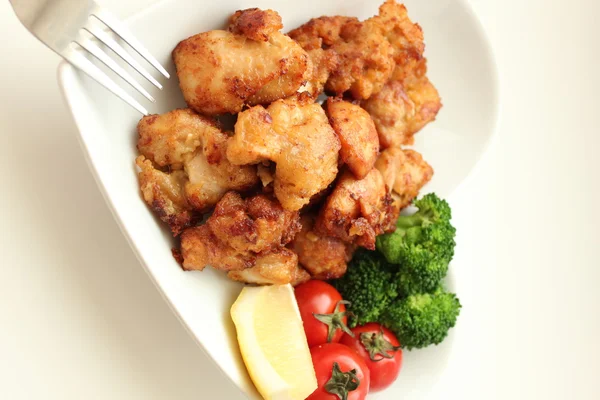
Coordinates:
(461,66)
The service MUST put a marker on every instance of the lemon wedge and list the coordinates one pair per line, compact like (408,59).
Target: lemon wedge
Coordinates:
(272,342)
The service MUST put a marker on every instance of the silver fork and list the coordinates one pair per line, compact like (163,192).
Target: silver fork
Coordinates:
(60,25)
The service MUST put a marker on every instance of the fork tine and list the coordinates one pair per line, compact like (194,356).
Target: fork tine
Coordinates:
(78,60)
(97,52)
(120,51)
(113,23)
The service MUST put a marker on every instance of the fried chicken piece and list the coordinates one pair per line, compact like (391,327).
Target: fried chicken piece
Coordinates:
(320,33)
(168,138)
(275,268)
(245,238)
(165,194)
(366,60)
(409,100)
(405,172)
(182,138)
(220,72)
(255,24)
(365,57)
(357,210)
(357,133)
(295,134)
(324,257)
(200,247)
(405,36)
(256,224)
(404,106)
(323,63)
(211,175)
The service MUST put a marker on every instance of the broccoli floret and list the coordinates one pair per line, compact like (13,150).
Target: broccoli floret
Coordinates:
(422,245)
(422,319)
(369,286)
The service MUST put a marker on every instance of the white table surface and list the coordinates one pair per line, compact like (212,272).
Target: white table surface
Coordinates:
(79,318)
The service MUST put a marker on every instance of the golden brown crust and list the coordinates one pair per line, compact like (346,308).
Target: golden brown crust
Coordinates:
(357,134)
(275,268)
(324,257)
(405,172)
(246,238)
(167,138)
(320,32)
(297,137)
(164,193)
(404,106)
(182,138)
(256,224)
(255,24)
(217,77)
(357,210)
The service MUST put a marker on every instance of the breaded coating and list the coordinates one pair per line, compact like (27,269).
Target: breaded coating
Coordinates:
(405,172)
(357,133)
(365,57)
(275,268)
(246,236)
(211,175)
(320,33)
(324,257)
(220,72)
(183,138)
(165,194)
(255,224)
(357,210)
(200,248)
(404,106)
(323,63)
(168,138)
(297,137)
(255,24)
(405,36)
(366,60)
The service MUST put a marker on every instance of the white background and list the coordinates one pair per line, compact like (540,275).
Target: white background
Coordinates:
(79,318)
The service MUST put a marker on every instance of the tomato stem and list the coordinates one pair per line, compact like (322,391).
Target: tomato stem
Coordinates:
(335,321)
(341,382)
(376,344)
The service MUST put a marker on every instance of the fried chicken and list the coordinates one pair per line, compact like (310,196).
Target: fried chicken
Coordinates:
(409,100)
(275,268)
(404,106)
(357,133)
(357,210)
(324,257)
(245,238)
(295,134)
(253,63)
(365,57)
(200,248)
(165,194)
(405,172)
(182,138)
(255,224)
(168,138)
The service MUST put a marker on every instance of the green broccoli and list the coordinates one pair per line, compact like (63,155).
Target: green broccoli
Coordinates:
(369,286)
(422,245)
(422,319)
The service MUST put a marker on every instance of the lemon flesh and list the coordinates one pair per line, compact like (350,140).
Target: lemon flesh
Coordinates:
(272,342)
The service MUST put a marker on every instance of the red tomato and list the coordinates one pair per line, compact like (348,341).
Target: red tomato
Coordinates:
(380,350)
(340,370)
(323,312)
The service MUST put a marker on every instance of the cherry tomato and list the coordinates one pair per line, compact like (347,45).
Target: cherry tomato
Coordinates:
(323,312)
(380,350)
(340,371)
